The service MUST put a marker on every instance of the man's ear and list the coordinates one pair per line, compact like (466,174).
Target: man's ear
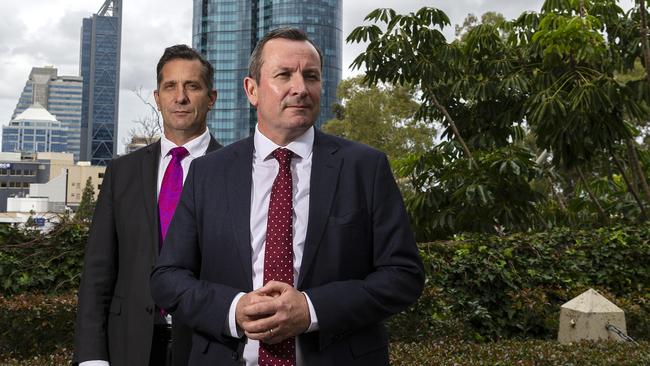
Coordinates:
(213,98)
(157,98)
(250,86)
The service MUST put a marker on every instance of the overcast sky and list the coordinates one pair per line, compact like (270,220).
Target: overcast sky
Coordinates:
(46,32)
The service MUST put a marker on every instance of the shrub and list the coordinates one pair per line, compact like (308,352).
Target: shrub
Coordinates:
(503,286)
(453,351)
(43,262)
(33,325)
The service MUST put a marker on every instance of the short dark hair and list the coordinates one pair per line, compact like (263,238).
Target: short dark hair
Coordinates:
(181,51)
(294,34)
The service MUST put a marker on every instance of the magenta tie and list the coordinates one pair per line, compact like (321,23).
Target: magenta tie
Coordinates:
(278,253)
(170,189)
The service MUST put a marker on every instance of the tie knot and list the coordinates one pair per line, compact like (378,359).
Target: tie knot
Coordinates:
(178,153)
(283,156)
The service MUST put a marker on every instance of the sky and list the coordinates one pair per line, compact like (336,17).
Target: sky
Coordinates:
(47,32)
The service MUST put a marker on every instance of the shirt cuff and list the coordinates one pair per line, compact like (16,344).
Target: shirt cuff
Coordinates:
(230,328)
(94,363)
(313,324)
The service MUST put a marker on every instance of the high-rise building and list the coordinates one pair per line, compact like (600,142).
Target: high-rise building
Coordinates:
(99,65)
(34,130)
(226,31)
(60,96)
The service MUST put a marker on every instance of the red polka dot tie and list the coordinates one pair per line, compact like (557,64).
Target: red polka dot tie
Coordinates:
(170,189)
(278,253)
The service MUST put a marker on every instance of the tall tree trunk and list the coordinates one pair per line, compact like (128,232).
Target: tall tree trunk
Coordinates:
(593,197)
(631,189)
(643,29)
(453,126)
(638,169)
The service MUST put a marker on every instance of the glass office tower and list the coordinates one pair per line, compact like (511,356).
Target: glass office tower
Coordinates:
(99,65)
(34,130)
(60,96)
(226,31)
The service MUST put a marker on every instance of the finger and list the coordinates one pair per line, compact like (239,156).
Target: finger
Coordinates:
(274,287)
(260,325)
(258,297)
(260,309)
(269,337)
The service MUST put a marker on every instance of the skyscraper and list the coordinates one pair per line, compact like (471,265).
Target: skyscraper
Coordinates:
(34,130)
(60,96)
(99,65)
(226,31)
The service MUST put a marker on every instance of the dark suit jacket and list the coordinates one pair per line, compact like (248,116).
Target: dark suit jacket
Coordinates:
(360,262)
(115,313)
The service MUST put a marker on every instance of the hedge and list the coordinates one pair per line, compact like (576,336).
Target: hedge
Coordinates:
(478,288)
(36,324)
(489,287)
(455,352)
(31,261)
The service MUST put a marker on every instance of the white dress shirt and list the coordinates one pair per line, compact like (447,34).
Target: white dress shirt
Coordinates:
(265,169)
(196,147)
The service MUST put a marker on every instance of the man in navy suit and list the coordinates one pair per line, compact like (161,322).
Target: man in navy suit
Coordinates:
(292,246)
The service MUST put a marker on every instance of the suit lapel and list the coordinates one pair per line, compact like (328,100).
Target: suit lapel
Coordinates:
(149,173)
(238,188)
(213,145)
(325,169)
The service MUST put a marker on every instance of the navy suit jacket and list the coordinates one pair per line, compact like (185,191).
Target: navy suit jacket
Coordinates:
(360,262)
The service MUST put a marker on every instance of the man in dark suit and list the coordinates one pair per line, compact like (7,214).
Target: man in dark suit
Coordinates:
(289,247)
(117,321)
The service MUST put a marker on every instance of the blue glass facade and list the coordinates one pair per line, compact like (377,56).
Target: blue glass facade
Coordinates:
(100,69)
(226,31)
(34,136)
(60,96)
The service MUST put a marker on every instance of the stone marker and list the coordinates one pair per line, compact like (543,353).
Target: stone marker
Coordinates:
(587,316)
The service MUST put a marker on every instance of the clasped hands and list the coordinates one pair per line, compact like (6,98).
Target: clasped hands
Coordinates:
(273,313)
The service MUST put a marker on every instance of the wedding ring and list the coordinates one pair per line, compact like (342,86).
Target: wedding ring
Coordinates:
(271,331)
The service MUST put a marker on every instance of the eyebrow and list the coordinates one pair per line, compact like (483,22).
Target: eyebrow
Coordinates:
(174,82)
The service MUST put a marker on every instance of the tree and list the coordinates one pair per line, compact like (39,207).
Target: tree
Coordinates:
(87,205)
(147,126)
(541,95)
(381,116)
(471,21)
(479,177)
(579,109)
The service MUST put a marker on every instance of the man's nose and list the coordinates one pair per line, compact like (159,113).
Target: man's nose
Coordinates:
(298,85)
(181,95)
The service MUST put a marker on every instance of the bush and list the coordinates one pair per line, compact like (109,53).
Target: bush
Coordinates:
(33,325)
(514,285)
(43,262)
(453,351)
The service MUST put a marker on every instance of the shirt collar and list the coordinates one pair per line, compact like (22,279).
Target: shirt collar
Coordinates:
(301,146)
(196,146)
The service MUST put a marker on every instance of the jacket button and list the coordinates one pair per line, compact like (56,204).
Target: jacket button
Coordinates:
(149,309)
(234,356)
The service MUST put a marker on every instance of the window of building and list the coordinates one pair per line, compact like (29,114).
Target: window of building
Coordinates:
(100,175)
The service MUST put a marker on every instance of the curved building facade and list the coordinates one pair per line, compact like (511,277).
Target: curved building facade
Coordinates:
(226,31)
